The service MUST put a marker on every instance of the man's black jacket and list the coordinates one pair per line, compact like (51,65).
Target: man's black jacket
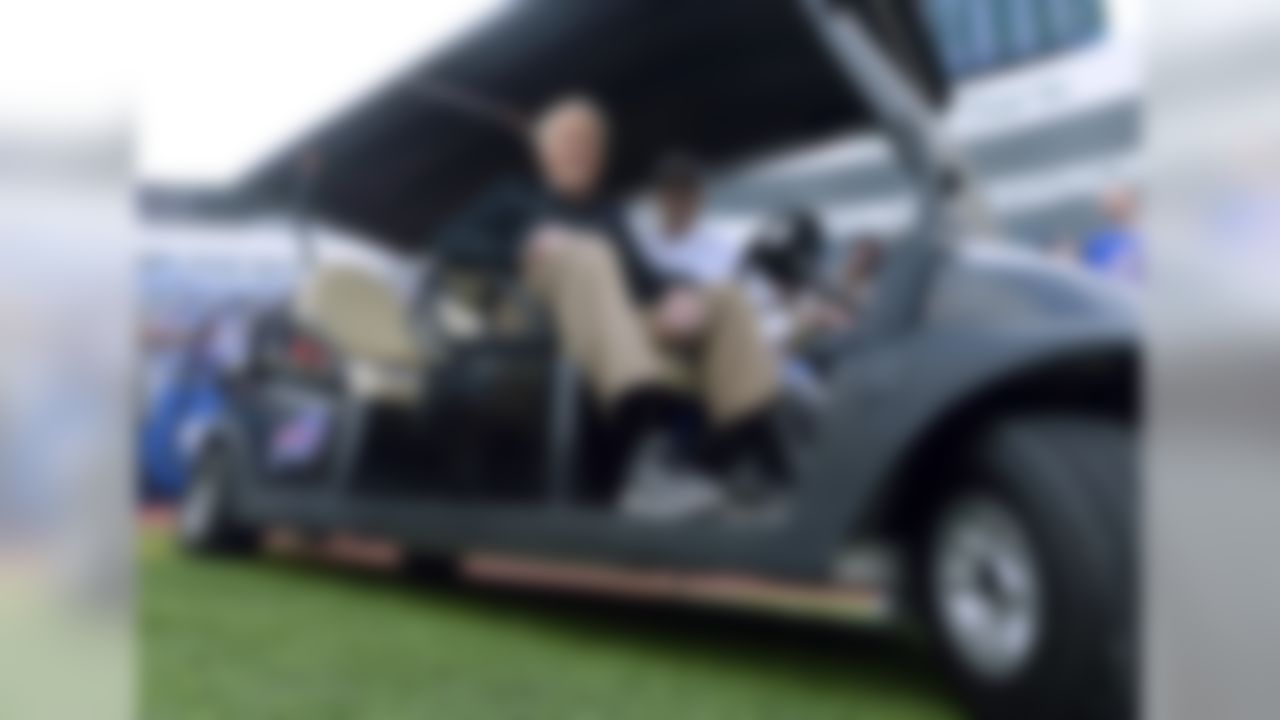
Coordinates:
(488,235)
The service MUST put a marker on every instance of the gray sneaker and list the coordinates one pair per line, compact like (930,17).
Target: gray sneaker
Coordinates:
(660,488)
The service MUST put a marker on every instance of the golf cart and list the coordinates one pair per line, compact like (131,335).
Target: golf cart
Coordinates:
(980,423)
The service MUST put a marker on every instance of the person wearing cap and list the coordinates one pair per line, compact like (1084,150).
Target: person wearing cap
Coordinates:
(676,239)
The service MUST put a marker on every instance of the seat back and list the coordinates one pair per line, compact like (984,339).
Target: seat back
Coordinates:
(362,316)
(370,324)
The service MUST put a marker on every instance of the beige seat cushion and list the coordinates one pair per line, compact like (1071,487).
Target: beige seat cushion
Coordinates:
(370,323)
(384,384)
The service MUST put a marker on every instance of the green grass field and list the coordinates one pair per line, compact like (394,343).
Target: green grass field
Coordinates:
(283,640)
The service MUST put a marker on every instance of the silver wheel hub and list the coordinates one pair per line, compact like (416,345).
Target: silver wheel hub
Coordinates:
(987,587)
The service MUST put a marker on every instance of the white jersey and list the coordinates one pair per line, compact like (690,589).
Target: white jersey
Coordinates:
(700,254)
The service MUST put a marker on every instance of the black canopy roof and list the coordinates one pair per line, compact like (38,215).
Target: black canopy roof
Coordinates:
(725,79)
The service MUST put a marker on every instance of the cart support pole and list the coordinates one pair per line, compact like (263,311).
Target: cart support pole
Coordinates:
(900,109)
(308,168)
(935,167)
(564,422)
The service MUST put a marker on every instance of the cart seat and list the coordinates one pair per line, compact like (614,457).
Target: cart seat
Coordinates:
(369,323)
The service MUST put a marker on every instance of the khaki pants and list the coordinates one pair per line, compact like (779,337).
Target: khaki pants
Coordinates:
(729,366)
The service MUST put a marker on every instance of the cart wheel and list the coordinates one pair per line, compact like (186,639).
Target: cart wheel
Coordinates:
(1027,571)
(206,519)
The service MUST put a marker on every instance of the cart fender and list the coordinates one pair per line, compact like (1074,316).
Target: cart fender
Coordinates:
(886,399)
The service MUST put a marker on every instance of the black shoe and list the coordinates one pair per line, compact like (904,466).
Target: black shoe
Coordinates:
(758,443)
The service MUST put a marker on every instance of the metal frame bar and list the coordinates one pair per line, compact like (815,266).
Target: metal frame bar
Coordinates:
(562,432)
(934,166)
(901,111)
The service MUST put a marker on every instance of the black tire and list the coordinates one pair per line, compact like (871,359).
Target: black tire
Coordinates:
(1061,492)
(207,520)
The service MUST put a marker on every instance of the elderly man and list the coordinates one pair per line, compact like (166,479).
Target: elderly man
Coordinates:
(619,320)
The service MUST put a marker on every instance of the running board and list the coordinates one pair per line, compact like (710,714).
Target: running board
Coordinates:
(843,602)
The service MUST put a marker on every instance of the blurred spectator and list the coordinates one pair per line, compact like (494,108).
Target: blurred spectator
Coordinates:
(677,241)
(1115,248)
